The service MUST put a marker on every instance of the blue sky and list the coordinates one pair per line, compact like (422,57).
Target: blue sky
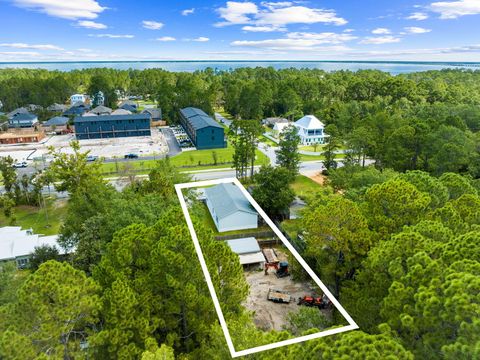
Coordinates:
(48,30)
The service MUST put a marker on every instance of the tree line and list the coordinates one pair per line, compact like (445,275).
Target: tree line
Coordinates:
(425,121)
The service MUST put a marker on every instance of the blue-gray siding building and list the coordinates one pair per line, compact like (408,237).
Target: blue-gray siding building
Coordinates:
(204,132)
(112,126)
(230,209)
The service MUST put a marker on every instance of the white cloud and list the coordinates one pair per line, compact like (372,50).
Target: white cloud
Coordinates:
(278,4)
(263,28)
(91,24)
(67,9)
(299,41)
(416,30)
(201,39)
(455,9)
(244,52)
(166,38)
(187,12)
(112,36)
(275,14)
(298,15)
(236,12)
(417,16)
(381,31)
(19,53)
(31,46)
(152,25)
(349,30)
(380,40)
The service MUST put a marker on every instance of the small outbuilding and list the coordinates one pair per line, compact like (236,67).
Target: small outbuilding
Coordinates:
(230,209)
(248,251)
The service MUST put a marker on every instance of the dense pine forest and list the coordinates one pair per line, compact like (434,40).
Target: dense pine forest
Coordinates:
(397,242)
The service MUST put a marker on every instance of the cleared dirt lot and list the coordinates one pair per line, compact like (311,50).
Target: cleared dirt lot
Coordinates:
(107,148)
(270,315)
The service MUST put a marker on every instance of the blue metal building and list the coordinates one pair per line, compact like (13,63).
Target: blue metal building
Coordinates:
(204,132)
(112,126)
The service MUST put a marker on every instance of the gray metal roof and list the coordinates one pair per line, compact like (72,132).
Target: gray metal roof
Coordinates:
(128,102)
(154,112)
(198,118)
(21,110)
(192,111)
(128,107)
(24,117)
(227,199)
(111,118)
(100,109)
(57,120)
(244,246)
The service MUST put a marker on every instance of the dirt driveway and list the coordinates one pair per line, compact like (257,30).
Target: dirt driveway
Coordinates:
(270,315)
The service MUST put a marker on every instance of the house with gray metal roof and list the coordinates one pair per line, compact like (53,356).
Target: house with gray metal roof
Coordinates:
(101,110)
(155,113)
(23,120)
(204,132)
(230,209)
(56,121)
(15,112)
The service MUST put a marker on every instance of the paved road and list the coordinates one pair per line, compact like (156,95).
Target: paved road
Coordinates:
(173,147)
(269,152)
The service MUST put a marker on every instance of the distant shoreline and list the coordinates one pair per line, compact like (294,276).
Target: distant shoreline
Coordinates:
(392,67)
(249,61)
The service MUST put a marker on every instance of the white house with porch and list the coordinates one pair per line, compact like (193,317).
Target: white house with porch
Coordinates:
(311,130)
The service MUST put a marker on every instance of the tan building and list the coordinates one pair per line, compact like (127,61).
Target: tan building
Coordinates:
(21,137)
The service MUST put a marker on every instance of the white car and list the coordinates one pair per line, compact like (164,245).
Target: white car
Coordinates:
(20,164)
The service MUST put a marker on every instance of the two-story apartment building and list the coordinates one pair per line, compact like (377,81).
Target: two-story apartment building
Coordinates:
(112,126)
(204,132)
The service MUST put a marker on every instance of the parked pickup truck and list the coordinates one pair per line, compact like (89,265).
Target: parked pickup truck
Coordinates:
(20,164)
(279,296)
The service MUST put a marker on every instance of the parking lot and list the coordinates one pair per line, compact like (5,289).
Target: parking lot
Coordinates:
(153,145)
(182,138)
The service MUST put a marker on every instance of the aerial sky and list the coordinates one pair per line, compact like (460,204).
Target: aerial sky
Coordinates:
(87,30)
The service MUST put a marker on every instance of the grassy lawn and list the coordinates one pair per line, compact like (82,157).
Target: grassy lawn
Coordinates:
(188,161)
(267,141)
(36,218)
(311,148)
(319,148)
(304,186)
(318,157)
(292,227)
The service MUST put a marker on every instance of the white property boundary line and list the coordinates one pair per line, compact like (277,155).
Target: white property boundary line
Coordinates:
(351,324)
